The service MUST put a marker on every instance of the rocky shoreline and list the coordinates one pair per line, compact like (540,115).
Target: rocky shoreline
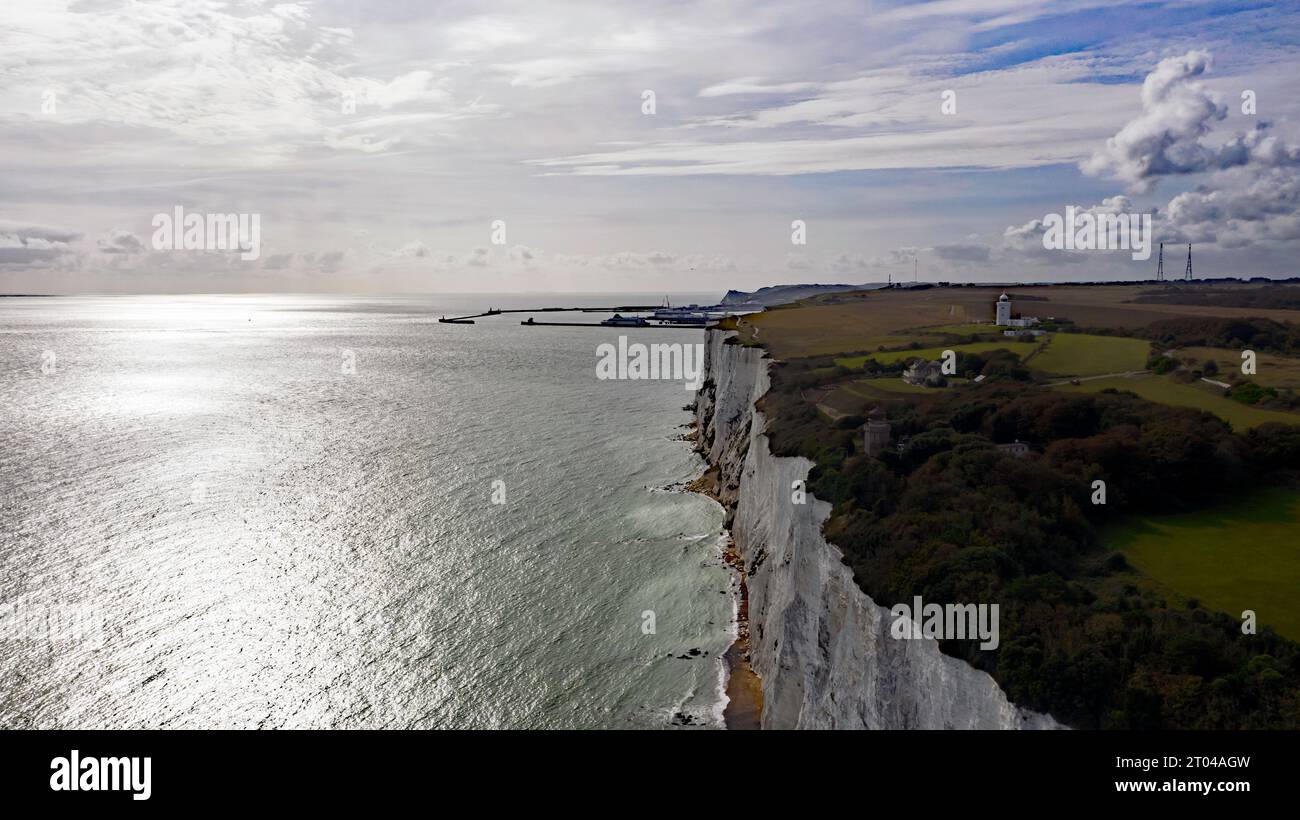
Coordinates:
(744,709)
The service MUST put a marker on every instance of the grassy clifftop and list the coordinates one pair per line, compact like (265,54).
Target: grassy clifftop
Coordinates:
(1099,629)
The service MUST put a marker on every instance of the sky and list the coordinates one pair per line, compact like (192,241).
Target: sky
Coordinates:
(398,146)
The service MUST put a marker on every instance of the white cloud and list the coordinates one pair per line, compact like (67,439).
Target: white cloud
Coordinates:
(1168,138)
(1252,194)
(119,240)
(1026,241)
(27,244)
(887,119)
(1244,207)
(753,85)
(501,109)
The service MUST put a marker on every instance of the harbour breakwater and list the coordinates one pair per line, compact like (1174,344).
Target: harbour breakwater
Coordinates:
(821,647)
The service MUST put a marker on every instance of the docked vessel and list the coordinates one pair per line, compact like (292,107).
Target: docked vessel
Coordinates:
(625,321)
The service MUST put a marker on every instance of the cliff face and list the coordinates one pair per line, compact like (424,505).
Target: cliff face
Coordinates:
(820,645)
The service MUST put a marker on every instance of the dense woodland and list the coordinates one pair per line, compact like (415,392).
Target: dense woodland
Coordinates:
(1261,335)
(951,518)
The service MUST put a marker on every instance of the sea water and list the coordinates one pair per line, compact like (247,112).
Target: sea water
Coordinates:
(279,511)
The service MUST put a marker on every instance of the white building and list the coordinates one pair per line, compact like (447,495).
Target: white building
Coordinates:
(1004,311)
(1004,315)
(1016,449)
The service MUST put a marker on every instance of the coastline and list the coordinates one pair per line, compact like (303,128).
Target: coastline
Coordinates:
(822,647)
(743,688)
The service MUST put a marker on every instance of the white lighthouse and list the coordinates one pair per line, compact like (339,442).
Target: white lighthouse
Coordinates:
(1004,311)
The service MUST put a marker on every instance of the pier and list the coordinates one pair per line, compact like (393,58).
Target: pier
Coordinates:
(531,323)
(468,319)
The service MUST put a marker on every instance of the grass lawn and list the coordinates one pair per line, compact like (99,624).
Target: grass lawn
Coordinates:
(1165,390)
(1078,354)
(933,353)
(1239,556)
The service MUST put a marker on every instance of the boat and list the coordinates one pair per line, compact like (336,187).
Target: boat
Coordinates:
(625,321)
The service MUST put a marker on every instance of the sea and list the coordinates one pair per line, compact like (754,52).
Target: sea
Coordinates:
(336,512)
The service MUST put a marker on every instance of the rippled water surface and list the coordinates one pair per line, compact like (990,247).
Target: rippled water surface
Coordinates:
(208,520)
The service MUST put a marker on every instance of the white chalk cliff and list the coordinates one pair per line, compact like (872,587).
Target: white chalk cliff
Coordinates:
(821,646)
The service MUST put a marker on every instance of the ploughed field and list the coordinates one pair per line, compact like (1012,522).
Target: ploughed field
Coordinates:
(863,321)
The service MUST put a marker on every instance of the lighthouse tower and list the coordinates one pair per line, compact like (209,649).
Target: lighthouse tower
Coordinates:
(1004,311)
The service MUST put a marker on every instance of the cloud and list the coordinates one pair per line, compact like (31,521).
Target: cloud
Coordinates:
(753,85)
(412,250)
(264,80)
(880,119)
(1244,208)
(849,263)
(989,14)
(1168,137)
(466,113)
(414,87)
(119,240)
(963,252)
(1025,242)
(29,244)
(521,254)
(1252,193)
(634,261)
(24,231)
(798,262)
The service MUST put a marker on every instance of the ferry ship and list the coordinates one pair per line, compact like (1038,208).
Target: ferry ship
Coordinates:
(625,321)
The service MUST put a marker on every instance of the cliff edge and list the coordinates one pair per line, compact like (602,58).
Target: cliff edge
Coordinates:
(821,646)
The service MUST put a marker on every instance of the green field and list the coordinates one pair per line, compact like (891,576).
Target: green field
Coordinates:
(934,353)
(1231,558)
(1199,395)
(1078,354)
(1270,370)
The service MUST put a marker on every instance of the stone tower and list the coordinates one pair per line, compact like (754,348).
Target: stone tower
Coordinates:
(876,432)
